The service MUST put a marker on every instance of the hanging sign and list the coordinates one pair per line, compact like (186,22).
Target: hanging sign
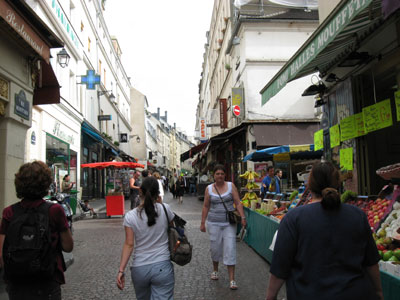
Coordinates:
(319,140)
(104,117)
(237,101)
(359,121)
(346,159)
(123,137)
(203,129)
(397,101)
(347,128)
(377,116)
(223,118)
(334,134)
(91,79)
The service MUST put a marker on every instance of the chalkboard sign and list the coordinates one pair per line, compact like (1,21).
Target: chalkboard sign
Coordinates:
(377,116)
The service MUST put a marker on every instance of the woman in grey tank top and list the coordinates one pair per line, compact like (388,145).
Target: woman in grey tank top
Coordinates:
(222,233)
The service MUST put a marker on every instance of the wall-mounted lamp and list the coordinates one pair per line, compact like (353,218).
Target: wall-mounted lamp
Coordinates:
(354,59)
(315,89)
(63,58)
(111,97)
(137,139)
(332,78)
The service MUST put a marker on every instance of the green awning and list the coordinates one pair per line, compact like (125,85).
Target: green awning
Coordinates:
(333,40)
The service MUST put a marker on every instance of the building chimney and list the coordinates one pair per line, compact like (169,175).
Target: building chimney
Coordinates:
(158,113)
(166,114)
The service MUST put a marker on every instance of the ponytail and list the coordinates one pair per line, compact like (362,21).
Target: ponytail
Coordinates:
(150,190)
(330,199)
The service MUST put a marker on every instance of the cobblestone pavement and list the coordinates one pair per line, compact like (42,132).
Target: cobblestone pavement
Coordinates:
(98,244)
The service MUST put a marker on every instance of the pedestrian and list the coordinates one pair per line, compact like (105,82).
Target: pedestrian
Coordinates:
(269,182)
(145,173)
(278,178)
(67,187)
(134,186)
(180,189)
(86,207)
(325,250)
(146,237)
(192,185)
(24,219)
(160,183)
(222,233)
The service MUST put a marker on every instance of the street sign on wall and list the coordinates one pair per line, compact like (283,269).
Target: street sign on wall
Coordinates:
(223,118)
(237,102)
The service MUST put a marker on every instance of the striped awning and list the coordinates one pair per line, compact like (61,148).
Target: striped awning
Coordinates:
(339,35)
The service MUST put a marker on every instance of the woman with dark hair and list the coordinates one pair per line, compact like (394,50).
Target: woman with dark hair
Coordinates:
(222,233)
(146,237)
(180,189)
(325,250)
(32,183)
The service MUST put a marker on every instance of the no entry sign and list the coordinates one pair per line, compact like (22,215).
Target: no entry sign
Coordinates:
(236,110)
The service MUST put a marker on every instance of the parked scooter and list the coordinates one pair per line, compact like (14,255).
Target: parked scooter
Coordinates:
(60,198)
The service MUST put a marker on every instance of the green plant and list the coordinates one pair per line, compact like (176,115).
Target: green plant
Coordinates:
(108,137)
(348,195)
(227,66)
(116,143)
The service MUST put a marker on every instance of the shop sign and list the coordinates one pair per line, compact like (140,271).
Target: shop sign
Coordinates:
(22,106)
(33,138)
(237,101)
(123,138)
(61,132)
(327,34)
(223,118)
(203,129)
(377,116)
(91,79)
(24,30)
(104,117)
(397,102)
(63,19)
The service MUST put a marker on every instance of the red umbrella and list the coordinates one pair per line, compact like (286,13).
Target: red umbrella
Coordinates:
(113,164)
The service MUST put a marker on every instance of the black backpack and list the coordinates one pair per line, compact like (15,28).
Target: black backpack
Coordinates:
(27,252)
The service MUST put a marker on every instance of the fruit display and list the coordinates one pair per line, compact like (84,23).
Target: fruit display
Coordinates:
(250,196)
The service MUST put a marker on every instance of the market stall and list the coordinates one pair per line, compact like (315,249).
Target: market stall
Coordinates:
(115,199)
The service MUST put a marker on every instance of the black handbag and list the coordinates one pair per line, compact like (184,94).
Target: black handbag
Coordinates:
(232,216)
(179,246)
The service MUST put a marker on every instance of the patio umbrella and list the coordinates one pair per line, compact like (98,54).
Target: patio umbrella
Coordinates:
(113,164)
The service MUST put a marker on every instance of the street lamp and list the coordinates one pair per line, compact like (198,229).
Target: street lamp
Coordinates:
(63,58)
(111,97)
(137,139)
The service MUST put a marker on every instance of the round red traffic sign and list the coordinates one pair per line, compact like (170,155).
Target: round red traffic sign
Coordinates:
(236,110)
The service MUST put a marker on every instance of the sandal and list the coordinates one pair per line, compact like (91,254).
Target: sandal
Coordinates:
(214,275)
(232,285)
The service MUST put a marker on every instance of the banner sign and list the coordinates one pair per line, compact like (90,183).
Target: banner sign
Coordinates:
(203,129)
(337,23)
(346,159)
(397,101)
(334,134)
(237,101)
(319,140)
(377,116)
(223,118)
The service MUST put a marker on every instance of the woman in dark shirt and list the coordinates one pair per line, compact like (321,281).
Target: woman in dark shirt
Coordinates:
(325,250)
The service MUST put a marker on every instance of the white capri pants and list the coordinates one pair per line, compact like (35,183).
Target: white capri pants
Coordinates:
(223,242)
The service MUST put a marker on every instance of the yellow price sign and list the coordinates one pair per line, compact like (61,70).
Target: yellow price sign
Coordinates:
(346,159)
(359,122)
(319,140)
(347,128)
(377,116)
(334,134)
(397,101)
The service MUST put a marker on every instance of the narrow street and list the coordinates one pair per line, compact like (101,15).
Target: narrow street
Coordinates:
(97,252)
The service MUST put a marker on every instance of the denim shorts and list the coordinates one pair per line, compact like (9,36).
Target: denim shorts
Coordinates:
(154,281)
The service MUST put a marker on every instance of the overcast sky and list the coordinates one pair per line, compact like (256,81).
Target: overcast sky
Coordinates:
(162,46)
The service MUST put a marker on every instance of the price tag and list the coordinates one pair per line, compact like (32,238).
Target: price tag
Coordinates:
(377,116)
(397,101)
(319,140)
(346,159)
(334,134)
(347,128)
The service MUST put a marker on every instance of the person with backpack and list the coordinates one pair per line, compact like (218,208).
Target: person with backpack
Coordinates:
(33,234)
(146,237)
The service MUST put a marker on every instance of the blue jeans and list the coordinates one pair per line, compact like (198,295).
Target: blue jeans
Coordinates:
(154,281)
(192,188)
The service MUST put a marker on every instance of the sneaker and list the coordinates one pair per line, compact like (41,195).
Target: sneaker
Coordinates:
(233,285)
(214,275)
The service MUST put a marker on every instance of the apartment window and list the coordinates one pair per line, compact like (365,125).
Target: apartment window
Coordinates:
(88,47)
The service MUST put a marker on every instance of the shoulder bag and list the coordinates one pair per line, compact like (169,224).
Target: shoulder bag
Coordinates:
(179,246)
(231,215)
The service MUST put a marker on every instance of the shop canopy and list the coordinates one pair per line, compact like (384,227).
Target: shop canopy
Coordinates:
(284,153)
(339,35)
(114,164)
(193,151)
